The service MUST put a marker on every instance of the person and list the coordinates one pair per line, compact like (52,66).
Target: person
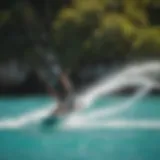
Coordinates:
(45,63)
(58,84)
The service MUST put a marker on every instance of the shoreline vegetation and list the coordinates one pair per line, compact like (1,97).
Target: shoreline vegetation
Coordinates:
(83,32)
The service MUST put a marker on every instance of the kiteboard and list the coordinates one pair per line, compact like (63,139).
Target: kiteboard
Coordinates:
(61,113)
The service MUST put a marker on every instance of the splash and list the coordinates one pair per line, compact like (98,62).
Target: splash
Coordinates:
(139,76)
(110,111)
(32,117)
(133,75)
(80,121)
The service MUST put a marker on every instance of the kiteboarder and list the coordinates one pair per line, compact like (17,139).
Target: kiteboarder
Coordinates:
(58,84)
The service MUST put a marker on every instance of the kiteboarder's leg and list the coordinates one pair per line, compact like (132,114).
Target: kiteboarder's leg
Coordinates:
(60,109)
(57,113)
(65,104)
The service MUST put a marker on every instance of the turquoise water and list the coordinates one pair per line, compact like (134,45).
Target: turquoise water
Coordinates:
(126,143)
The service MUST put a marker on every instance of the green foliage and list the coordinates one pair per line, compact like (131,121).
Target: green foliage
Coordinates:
(136,11)
(68,36)
(113,37)
(114,29)
(99,30)
(88,30)
(147,43)
(4,17)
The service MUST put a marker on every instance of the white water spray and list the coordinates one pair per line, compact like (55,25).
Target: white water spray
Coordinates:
(133,75)
(90,120)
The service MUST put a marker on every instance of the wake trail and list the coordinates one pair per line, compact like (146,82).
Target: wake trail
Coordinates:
(13,123)
(118,124)
(99,113)
(133,75)
(137,76)
(81,119)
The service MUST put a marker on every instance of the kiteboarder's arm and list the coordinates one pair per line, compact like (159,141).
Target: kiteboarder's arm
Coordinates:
(66,83)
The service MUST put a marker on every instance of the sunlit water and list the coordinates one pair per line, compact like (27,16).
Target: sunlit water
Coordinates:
(108,127)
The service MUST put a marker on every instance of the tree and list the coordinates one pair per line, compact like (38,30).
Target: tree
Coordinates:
(89,29)
(114,37)
(147,44)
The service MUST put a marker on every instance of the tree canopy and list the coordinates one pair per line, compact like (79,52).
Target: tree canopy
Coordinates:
(92,29)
